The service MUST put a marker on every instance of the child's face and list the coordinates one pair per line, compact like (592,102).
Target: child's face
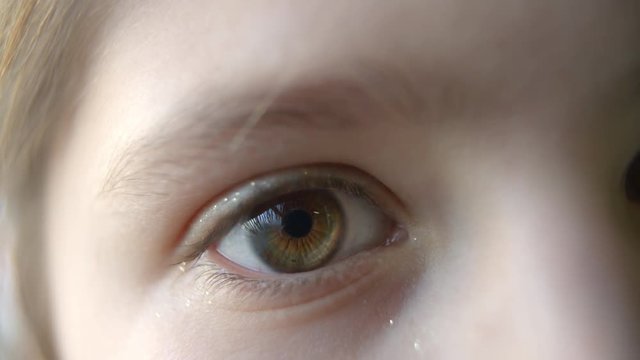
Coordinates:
(501,131)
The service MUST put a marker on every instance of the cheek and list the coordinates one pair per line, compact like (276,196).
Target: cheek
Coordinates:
(352,326)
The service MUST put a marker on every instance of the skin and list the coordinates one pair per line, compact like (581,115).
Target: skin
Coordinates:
(502,128)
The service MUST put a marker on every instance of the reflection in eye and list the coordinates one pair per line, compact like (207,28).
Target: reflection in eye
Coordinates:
(306,222)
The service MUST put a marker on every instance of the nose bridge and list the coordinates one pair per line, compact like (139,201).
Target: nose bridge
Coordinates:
(551,231)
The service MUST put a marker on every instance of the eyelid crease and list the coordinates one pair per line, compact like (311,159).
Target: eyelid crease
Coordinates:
(198,129)
(219,217)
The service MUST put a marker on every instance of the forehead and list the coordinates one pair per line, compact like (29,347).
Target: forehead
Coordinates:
(461,35)
(499,42)
(161,54)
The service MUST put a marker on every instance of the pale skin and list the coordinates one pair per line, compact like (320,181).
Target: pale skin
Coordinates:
(502,128)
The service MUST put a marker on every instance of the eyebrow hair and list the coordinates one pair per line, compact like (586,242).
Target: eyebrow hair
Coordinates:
(217,125)
(212,125)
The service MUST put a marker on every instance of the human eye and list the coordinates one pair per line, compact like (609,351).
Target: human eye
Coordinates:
(293,236)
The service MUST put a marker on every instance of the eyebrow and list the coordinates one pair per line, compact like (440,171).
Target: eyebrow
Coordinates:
(215,126)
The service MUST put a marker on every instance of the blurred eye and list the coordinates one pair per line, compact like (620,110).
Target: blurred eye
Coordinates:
(296,220)
(632,180)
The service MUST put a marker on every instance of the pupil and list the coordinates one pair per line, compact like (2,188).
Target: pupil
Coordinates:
(297,223)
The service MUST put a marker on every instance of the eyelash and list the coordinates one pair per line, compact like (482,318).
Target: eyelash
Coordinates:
(213,277)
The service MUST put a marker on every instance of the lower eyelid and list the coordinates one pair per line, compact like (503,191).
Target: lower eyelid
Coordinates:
(232,292)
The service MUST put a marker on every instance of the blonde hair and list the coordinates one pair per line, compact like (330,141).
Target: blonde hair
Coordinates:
(43,49)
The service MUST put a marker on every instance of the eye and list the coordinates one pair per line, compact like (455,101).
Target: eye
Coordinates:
(632,180)
(304,230)
(297,220)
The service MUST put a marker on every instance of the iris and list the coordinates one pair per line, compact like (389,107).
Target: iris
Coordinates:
(297,232)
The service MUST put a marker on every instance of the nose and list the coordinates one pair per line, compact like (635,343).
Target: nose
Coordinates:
(538,265)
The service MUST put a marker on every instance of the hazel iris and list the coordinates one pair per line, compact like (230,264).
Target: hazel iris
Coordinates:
(297,232)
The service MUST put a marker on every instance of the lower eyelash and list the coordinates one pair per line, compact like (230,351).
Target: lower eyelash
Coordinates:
(213,280)
(216,278)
